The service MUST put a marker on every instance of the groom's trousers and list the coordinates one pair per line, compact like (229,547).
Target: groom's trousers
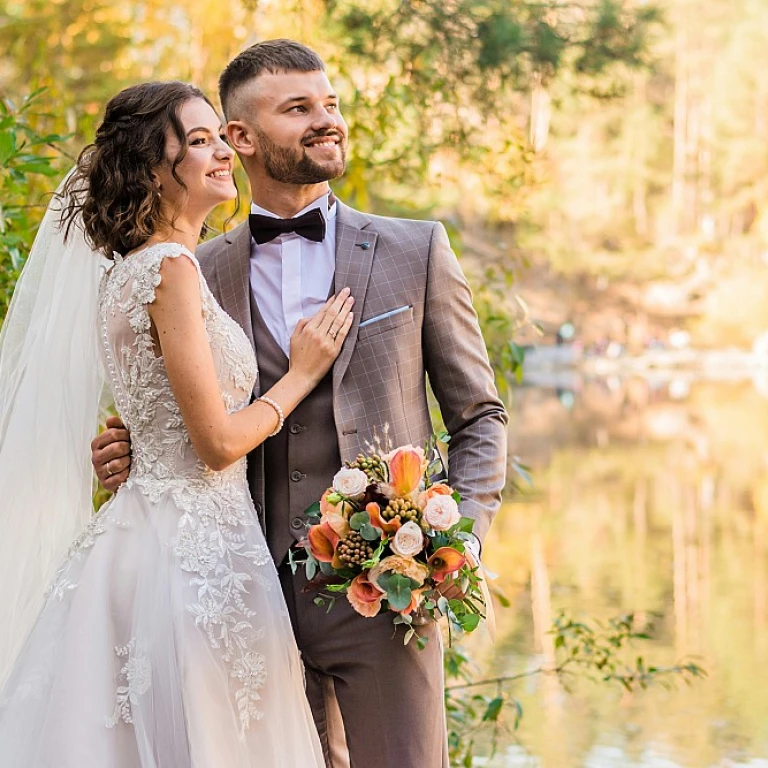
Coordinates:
(374,699)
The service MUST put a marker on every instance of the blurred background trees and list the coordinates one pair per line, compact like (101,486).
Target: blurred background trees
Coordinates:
(613,151)
(449,103)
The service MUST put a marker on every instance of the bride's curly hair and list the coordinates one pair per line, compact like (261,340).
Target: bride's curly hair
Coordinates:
(112,187)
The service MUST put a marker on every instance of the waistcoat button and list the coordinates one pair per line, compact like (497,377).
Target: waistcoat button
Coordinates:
(297,523)
(295,429)
(296,476)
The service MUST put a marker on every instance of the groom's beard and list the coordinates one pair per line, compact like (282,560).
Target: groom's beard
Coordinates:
(290,166)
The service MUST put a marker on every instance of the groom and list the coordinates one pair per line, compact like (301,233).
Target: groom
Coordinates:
(377,703)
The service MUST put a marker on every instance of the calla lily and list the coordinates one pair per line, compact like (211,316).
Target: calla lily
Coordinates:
(444,562)
(364,597)
(322,542)
(406,469)
(389,528)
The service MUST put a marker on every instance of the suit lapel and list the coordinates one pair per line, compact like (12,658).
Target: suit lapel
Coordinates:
(233,275)
(355,246)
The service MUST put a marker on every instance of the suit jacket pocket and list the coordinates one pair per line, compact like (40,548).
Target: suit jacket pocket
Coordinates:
(385,321)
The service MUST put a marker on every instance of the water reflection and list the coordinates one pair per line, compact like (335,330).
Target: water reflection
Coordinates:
(649,496)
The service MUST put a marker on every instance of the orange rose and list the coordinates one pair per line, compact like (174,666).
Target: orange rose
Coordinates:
(363,596)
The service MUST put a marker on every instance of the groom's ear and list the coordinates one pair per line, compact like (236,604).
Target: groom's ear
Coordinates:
(240,138)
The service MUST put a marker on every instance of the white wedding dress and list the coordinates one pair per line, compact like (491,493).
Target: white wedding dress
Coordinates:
(164,641)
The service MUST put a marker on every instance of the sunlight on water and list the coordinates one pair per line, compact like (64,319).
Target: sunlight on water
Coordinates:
(647,498)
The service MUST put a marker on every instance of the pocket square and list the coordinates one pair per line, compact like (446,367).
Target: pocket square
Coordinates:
(385,315)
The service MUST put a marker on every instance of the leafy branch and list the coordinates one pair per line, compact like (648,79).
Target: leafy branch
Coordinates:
(594,650)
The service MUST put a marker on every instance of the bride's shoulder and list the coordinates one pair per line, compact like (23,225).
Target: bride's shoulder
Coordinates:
(145,269)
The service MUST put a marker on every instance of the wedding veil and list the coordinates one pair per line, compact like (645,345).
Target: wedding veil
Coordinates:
(51,381)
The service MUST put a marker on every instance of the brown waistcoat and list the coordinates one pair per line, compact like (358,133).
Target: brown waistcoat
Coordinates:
(301,460)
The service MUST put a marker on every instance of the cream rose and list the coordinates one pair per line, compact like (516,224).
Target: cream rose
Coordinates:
(442,512)
(408,541)
(350,483)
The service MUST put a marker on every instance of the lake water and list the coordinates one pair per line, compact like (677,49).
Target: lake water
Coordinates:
(648,496)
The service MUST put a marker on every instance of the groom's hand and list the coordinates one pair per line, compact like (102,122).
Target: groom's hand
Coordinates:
(111,454)
(450,589)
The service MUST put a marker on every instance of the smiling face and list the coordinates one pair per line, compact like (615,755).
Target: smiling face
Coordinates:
(205,170)
(288,127)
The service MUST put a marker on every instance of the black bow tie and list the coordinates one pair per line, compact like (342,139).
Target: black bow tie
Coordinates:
(265,228)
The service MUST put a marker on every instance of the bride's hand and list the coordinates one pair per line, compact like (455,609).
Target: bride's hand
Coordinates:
(317,340)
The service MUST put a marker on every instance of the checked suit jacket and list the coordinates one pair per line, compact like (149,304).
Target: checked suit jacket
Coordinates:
(413,319)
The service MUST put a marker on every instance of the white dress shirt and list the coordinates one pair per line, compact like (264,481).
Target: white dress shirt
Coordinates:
(291,276)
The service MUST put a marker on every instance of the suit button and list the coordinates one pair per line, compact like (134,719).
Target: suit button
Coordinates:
(296,476)
(294,429)
(297,523)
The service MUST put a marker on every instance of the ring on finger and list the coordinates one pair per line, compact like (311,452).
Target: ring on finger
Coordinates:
(109,471)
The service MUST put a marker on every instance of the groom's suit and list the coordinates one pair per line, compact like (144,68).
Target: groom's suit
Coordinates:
(413,318)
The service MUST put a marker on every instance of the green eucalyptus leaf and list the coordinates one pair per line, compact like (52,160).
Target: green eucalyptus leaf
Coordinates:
(370,532)
(398,589)
(358,520)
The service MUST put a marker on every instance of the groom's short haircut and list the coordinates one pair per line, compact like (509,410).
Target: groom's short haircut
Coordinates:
(271,57)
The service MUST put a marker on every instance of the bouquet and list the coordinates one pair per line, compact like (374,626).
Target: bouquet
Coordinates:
(388,538)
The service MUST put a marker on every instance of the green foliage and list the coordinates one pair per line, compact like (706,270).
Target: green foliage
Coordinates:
(597,651)
(445,83)
(28,160)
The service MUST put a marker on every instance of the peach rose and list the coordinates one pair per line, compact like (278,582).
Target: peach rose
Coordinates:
(398,564)
(336,515)
(438,489)
(325,505)
(408,541)
(442,512)
(364,597)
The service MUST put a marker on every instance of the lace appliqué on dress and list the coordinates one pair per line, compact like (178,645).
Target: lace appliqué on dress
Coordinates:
(61,583)
(216,506)
(134,681)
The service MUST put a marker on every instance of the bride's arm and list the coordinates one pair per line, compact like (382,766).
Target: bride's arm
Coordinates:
(220,438)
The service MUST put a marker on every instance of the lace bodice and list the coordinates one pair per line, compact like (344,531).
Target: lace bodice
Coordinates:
(161,448)
(212,544)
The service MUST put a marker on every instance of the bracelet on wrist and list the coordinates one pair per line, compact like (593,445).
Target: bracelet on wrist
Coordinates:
(277,409)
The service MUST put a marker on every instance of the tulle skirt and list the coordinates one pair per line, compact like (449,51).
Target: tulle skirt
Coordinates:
(147,655)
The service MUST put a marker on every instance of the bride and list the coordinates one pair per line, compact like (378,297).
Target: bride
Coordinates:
(162,638)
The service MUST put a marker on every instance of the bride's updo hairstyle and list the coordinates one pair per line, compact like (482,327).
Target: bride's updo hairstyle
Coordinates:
(112,186)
